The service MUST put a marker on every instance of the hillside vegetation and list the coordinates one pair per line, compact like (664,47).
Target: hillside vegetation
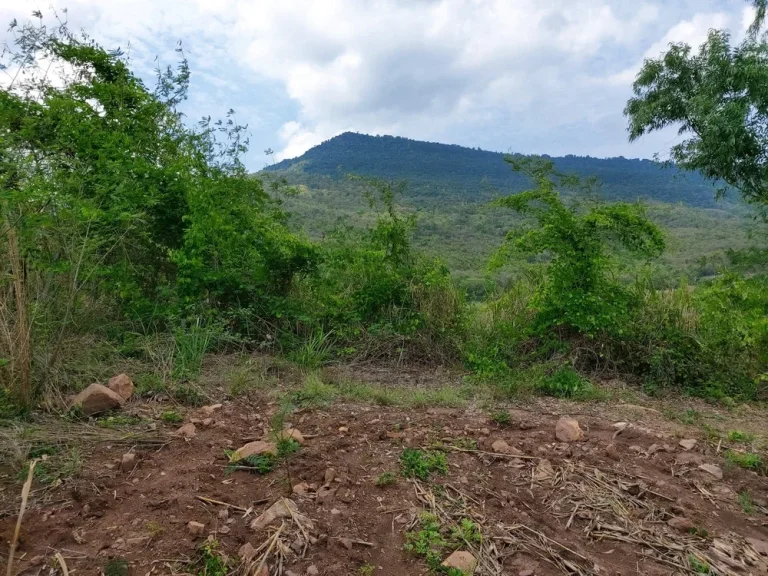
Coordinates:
(129,235)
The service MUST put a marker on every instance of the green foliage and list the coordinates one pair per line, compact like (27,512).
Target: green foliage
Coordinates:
(427,542)
(698,566)
(578,294)
(209,561)
(747,460)
(385,479)
(171,417)
(746,502)
(740,436)
(118,421)
(116,567)
(716,97)
(467,531)
(367,570)
(502,418)
(260,463)
(286,447)
(421,464)
(565,383)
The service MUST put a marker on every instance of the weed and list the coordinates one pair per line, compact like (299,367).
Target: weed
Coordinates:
(149,384)
(260,463)
(243,379)
(171,417)
(502,418)
(154,528)
(286,447)
(746,502)
(314,351)
(739,436)
(465,443)
(713,434)
(567,383)
(698,531)
(116,567)
(54,465)
(191,346)
(367,570)
(385,479)
(314,393)
(698,566)
(210,562)
(187,394)
(428,542)
(118,421)
(747,460)
(422,463)
(467,531)
(690,416)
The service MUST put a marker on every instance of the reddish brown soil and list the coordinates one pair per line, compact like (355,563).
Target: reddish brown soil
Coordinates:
(142,515)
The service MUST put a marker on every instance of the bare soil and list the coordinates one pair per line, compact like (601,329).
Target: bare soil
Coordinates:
(602,505)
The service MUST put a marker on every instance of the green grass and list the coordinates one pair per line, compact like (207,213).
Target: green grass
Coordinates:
(385,479)
(432,541)
(746,502)
(422,464)
(209,561)
(502,418)
(118,421)
(746,460)
(366,570)
(116,567)
(739,436)
(58,465)
(698,566)
(171,417)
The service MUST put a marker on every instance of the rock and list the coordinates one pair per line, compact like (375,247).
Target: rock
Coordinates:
(462,561)
(346,542)
(313,571)
(687,458)
(653,448)
(280,509)
(246,553)
(325,494)
(187,431)
(301,489)
(195,529)
(292,433)
(760,546)
(544,470)
(121,384)
(688,444)
(637,449)
(485,431)
(96,399)
(526,572)
(716,471)
(207,422)
(612,453)
(330,475)
(681,523)
(224,514)
(501,447)
(78,536)
(256,448)
(128,462)
(264,571)
(343,429)
(620,426)
(568,430)
(209,410)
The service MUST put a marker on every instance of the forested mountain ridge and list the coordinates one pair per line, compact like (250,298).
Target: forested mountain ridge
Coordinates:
(467,174)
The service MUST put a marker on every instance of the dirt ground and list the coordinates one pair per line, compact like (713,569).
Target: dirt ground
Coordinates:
(626,498)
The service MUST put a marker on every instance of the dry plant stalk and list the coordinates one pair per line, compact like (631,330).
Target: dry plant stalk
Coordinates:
(19,342)
(24,498)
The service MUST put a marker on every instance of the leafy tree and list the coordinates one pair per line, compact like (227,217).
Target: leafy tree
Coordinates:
(718,98)
(579,293)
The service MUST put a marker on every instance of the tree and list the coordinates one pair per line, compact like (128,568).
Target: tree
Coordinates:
(579,293)
(718,98)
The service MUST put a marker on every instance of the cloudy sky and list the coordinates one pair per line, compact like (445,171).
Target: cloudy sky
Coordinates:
(531,76)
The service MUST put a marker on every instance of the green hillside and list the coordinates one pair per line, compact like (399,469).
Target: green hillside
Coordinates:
(449,188)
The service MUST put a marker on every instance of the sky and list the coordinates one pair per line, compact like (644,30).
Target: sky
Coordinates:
(529,76)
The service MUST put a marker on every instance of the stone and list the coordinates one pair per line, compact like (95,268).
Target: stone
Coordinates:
(688,458)
(256,448)
(620,426)
(568,430)
(301,489)
(688,444)
(246,553)
(760,546)
(209,410)
(96,399)
(264,571)
(681,523)
(121,384)
(544,470)
(313,571)
(187,431)
(346,542)
(716,471)
(283,508)
(207,422)
(292,433)
(501,447)
(462,561)
(325,494)
(224,514)
(637,449)
(195,529)
(128,462)
(330,475)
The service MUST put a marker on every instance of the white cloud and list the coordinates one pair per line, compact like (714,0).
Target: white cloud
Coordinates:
(537,76)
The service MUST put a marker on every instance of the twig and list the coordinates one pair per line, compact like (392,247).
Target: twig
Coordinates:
(360,542)
(495,454)
(220,503)
(24,497)
(62,563)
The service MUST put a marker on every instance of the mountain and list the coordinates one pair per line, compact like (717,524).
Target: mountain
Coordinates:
(467,174)
(449,188)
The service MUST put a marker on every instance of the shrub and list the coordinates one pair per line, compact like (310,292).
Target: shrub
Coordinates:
(422,464)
